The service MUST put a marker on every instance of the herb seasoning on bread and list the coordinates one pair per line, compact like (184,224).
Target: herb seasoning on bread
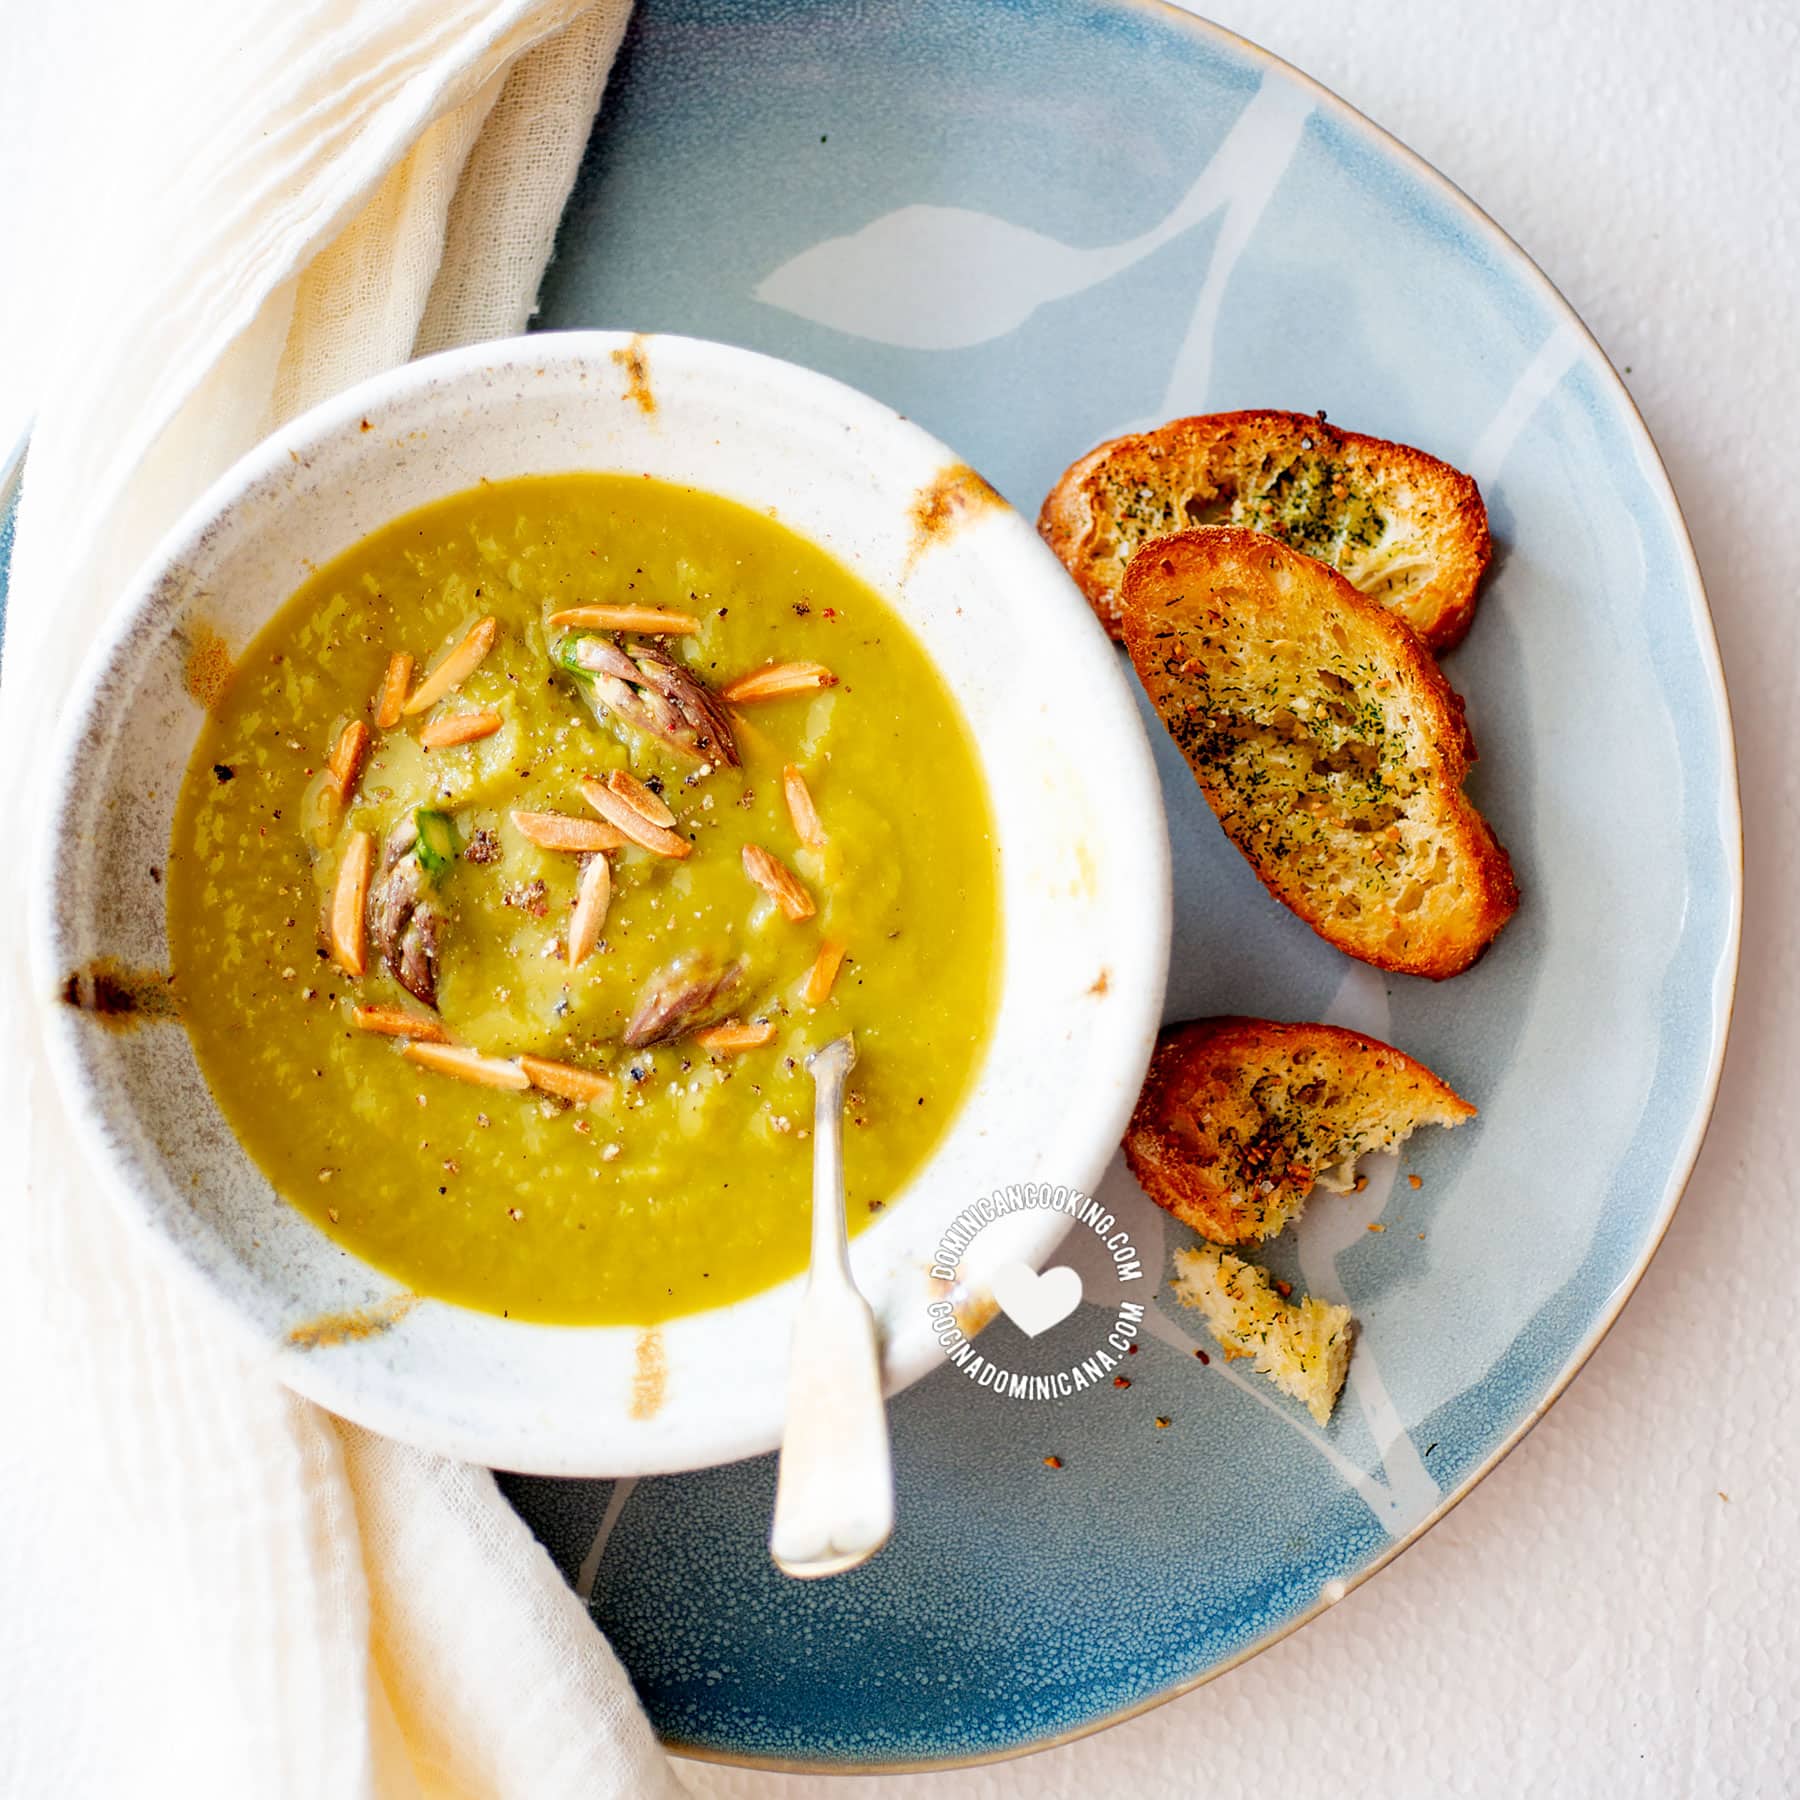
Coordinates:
(1403,528)
(1240,1118)
(1327,741)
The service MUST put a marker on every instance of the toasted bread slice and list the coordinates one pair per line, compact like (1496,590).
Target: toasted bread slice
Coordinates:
(1239,1118)
(1303,1346)
(1402,527)
(1327,741)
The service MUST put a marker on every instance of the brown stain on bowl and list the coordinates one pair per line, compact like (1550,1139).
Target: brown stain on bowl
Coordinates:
(1101,984)
(1087,873)
(118,997)
(635,361)
(331,1329)
(650,1378)
(975,1312)
(208,668)
(972,1311)
(947,502)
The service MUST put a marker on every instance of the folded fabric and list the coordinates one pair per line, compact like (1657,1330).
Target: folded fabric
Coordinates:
(211,1587)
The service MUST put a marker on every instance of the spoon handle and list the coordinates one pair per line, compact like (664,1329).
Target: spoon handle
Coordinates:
(834,1500)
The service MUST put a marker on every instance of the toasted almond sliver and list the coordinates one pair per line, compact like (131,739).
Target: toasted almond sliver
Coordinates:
(342,767)
(642,800)
(591,901)
(396,1021)
(564,1079)
(562,831)
(450,729)
(346,759)
(725,1039)
(823,973)
(807,825)
(456,668)
(391,701)
(468,1065)
(349,898)
(778,882)
(650,620)
(629,820)
(776,681)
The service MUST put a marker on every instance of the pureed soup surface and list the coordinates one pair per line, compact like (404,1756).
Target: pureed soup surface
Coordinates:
(686,1183)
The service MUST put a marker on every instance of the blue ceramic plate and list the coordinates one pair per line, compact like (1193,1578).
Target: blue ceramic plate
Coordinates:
(1031,226)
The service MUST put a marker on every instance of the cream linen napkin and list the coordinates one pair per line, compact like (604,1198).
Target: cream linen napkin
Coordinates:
(207,1586)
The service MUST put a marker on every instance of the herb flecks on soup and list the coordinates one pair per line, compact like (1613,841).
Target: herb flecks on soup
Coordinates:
(565,818)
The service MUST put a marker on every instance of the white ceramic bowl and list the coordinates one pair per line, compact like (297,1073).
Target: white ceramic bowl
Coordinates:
(1084,860)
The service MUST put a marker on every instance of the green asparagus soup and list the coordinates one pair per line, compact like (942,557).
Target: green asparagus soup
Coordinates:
(526,855)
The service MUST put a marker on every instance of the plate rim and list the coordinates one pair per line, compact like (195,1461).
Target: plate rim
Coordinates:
(1725,970)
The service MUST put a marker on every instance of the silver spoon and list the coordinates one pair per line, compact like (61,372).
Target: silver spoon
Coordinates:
(834,1500)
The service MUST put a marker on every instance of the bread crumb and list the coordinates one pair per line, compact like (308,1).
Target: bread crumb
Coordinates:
(1302,1346)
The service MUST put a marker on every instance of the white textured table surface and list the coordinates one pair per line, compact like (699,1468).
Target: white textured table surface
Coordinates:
(1598,1618)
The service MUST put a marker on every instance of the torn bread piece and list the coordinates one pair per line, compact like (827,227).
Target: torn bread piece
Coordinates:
(1239,1118)
(1303,1346)
(1327,741)
(1403,528)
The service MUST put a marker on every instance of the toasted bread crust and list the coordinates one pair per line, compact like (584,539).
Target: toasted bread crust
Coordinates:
(1328,742)
(1230,1136)
(1403,527)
